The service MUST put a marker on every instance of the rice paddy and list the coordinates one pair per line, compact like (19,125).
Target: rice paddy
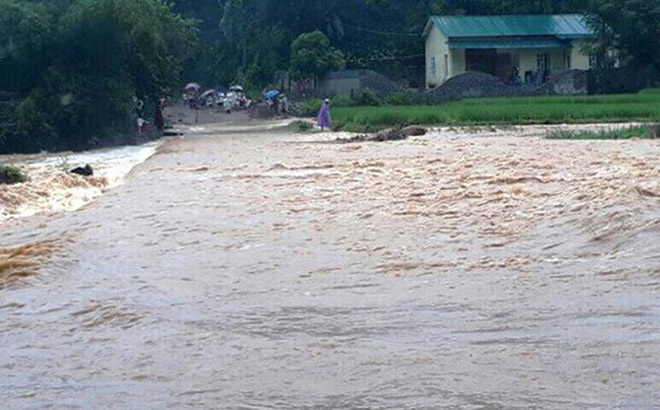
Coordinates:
(641,107)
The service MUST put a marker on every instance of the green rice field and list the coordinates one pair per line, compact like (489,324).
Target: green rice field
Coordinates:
(643,107)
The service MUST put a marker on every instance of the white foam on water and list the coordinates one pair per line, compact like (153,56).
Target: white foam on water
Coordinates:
(51,189)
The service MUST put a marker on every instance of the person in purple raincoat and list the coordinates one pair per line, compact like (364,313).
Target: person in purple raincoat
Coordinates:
(324,115)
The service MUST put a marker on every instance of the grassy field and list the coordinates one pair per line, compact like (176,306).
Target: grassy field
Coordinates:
(642,107)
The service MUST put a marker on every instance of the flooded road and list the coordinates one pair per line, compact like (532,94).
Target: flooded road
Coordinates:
(248,268)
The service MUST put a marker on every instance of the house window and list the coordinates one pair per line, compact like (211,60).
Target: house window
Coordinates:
(434,68)
(568,61)
(446,66)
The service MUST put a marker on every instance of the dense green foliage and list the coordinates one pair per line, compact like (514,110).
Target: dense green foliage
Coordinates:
(628,44)
(73,67)
(525,110)
(253,38)
(11,175)
(70,68)
(630,27)
(312,56)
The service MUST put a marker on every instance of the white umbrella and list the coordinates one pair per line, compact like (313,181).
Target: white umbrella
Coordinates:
(192,86)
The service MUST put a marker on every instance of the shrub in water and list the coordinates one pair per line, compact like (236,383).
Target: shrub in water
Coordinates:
(11,175)
(642,132)
(301,126)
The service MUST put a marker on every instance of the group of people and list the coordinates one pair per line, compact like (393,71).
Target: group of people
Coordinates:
(280,105)
(538,77)
(234,99)
(229,102)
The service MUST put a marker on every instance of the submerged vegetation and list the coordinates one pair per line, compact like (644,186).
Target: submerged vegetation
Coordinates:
(636,132)
(11,175)
(301,126)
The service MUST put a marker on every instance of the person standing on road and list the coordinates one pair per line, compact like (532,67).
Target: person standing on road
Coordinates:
(159,121)
(324,115)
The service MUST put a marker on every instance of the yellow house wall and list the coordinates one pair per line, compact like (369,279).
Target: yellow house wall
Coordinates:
(579,60)
(527,60)
(558,59)
(436,46)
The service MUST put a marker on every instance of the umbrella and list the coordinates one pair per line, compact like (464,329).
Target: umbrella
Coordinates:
(207,93)
(269,95)
(236,88)
(192,86)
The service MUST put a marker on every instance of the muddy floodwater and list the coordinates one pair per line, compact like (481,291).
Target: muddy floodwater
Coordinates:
(246,267)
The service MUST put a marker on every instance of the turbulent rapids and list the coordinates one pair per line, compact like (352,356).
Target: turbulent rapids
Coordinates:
(247,267)
(52,188)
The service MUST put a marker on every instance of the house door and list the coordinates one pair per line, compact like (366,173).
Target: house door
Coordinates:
(504,66)
(484,61)
(543,66)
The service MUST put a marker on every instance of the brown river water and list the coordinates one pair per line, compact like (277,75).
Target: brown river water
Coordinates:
(251,268)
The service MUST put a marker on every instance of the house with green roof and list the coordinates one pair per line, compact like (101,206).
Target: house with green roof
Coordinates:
(516,48)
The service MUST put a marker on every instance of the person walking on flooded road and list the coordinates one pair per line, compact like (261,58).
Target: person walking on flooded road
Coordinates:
(324,115)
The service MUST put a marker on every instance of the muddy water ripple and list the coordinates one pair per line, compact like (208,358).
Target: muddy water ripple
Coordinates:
(263,270)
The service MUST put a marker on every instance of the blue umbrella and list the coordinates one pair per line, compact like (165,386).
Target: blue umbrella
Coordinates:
(271,94)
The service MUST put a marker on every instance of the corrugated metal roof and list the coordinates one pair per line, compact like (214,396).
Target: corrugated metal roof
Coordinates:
(562,26)
(506,43)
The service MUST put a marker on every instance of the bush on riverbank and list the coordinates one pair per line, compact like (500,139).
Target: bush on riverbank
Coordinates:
(11,175)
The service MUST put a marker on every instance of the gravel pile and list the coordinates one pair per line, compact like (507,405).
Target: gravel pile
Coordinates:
(480,85)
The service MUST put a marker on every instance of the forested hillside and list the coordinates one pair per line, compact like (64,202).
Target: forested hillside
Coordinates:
(69,69)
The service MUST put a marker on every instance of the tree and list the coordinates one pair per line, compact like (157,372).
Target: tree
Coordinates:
(254,36)
(312,56)
(75,65)
(629,28)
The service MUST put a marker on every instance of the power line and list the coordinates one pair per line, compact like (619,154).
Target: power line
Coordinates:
(367,30)
(388,58)
(384,33)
